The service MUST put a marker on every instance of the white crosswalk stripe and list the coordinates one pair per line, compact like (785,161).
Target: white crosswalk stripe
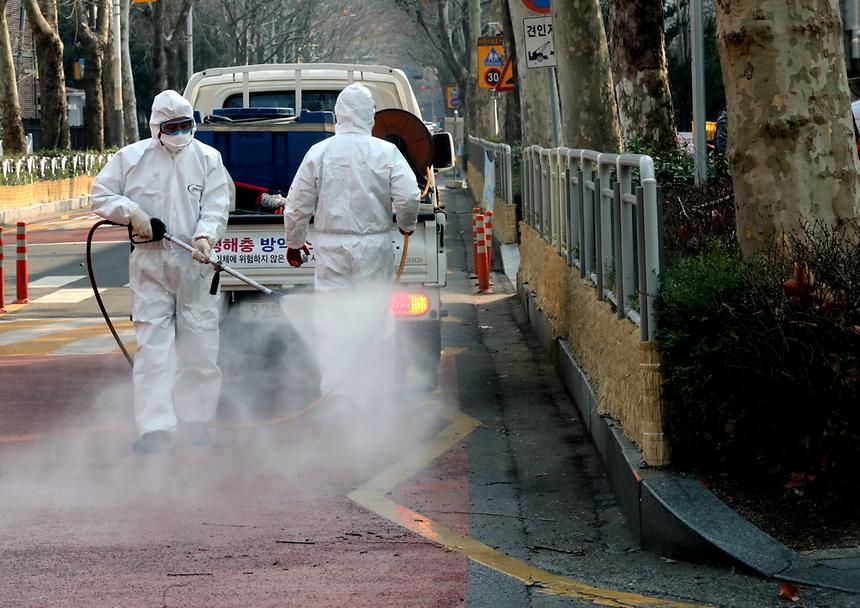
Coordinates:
(87,336)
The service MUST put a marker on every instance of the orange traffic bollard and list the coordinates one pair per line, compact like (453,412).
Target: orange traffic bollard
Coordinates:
(22,283)
(2,277)
(481,258)
(475,212)
(488,233)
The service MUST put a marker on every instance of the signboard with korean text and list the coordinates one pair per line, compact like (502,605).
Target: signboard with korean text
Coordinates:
(491,60)
(256,249)
(540,48)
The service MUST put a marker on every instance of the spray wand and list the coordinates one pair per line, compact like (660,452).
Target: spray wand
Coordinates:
(219,268)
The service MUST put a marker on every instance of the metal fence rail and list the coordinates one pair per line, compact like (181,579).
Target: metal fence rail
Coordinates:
(28,169)
(601,212)
(500,154)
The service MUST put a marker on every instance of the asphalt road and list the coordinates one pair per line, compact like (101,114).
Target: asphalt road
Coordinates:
(485,492)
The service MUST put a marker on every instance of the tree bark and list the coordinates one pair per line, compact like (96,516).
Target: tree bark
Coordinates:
(533,86)
(641,74)
(587,100)
(129,101)
(512,130)
(93,43)
(14,140)
(52,79)
(790,132)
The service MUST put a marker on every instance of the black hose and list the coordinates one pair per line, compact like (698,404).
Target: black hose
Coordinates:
(96,289)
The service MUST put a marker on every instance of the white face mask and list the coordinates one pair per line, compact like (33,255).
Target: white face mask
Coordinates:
(175,143)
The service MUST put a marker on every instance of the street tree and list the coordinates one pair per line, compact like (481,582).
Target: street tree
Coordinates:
(14,140)
(129,99)
(790,134)
(42,15)
(93,21)
(453,39)
(589,115)
(640,74)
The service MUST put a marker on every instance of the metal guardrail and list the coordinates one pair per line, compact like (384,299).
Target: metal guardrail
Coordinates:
(28,169)
(500,154)
(602,212)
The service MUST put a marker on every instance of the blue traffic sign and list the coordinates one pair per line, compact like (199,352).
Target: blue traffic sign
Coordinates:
(538,6)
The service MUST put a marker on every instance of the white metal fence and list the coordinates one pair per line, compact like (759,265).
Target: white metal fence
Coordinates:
(28,169)
(603,213)
(481,150)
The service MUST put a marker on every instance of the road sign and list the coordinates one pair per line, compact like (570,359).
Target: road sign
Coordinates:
(491,59)
(538,6)
(506,80)
(453,97)
(540,49)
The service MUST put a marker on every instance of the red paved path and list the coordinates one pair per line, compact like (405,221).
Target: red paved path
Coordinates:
(88,523)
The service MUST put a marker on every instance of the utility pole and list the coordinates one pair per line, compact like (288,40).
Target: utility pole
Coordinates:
(116,52)
(189,37)
(698,39)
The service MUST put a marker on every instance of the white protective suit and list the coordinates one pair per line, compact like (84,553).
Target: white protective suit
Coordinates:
(184,183)
(350,184)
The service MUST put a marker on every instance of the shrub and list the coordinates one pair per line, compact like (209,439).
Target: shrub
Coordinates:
(761,356)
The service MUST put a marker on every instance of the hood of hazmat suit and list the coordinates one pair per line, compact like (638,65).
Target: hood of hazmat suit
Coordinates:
(176,319)
(170,105)
(351,184)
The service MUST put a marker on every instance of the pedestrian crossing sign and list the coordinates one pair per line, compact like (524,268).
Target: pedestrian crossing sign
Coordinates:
(491,59)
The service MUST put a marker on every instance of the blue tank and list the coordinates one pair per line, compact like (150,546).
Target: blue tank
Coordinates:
(261,152)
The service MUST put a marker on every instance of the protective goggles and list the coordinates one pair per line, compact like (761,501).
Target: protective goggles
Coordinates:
(177,126)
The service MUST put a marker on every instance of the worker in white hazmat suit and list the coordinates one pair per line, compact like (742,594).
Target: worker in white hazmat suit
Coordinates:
(183,183)
(350,184)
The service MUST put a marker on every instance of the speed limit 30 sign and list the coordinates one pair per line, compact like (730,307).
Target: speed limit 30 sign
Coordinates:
(491,60)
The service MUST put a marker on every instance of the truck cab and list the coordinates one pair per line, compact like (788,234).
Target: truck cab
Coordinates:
(263,119)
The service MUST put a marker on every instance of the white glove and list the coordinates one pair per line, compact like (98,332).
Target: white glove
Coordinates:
(202,250)
(140,224)
(272,202)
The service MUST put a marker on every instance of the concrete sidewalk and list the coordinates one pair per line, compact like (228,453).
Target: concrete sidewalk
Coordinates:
(672,514)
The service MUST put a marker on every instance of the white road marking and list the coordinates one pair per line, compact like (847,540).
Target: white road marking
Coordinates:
(99,345)
(37,331)
(72,295)
(55,281)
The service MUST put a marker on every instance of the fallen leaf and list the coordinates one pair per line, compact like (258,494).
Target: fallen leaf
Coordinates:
(787,591)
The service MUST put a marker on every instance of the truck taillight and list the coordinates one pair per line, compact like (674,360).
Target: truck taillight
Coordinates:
(403,304)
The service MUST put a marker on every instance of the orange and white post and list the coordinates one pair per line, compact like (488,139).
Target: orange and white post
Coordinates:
(2,277)
(488,233)
(22,283)
(476,211)
(483,270)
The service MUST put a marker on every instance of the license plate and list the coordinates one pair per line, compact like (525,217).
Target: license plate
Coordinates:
(260,311)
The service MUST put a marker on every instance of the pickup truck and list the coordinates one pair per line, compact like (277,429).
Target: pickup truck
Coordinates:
(263,119)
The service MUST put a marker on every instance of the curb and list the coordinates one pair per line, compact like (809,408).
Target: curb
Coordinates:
(20,214)
(672,514)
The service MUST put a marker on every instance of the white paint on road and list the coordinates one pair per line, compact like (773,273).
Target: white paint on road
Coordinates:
(55,281)
(72,295)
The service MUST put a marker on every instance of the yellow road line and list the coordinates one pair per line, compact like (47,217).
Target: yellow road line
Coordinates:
(13,307)
(45,345)
(372,496)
